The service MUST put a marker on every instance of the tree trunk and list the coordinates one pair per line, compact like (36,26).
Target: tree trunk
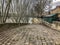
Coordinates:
(7,11)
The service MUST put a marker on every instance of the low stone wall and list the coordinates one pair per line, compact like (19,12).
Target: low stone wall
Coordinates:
(35,21)
(55,25)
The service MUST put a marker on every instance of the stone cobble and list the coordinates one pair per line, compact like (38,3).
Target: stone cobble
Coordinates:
(30,35)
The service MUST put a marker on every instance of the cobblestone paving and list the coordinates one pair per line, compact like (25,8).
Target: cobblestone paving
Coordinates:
(30,35)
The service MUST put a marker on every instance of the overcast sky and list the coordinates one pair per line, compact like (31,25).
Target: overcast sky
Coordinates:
(56,0)
(53,4)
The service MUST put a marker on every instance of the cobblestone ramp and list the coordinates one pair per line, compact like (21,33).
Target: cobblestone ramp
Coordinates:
(30,35)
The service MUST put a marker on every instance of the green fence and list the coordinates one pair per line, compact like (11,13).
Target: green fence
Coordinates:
(50,18)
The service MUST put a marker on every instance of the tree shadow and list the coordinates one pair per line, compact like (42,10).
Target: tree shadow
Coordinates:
(9,26)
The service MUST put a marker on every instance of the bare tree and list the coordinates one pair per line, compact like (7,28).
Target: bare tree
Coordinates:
(20,9)
(2,6)
(6,11)
(39,8)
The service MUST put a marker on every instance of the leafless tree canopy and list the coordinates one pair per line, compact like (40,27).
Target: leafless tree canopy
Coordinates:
(39,7)
(20,9)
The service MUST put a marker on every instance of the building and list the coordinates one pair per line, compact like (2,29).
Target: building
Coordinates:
(56,10)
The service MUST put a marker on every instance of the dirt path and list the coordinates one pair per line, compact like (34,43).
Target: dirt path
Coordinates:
(30,35)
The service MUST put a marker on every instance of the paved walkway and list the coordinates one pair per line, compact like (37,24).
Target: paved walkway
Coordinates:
(30,35)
